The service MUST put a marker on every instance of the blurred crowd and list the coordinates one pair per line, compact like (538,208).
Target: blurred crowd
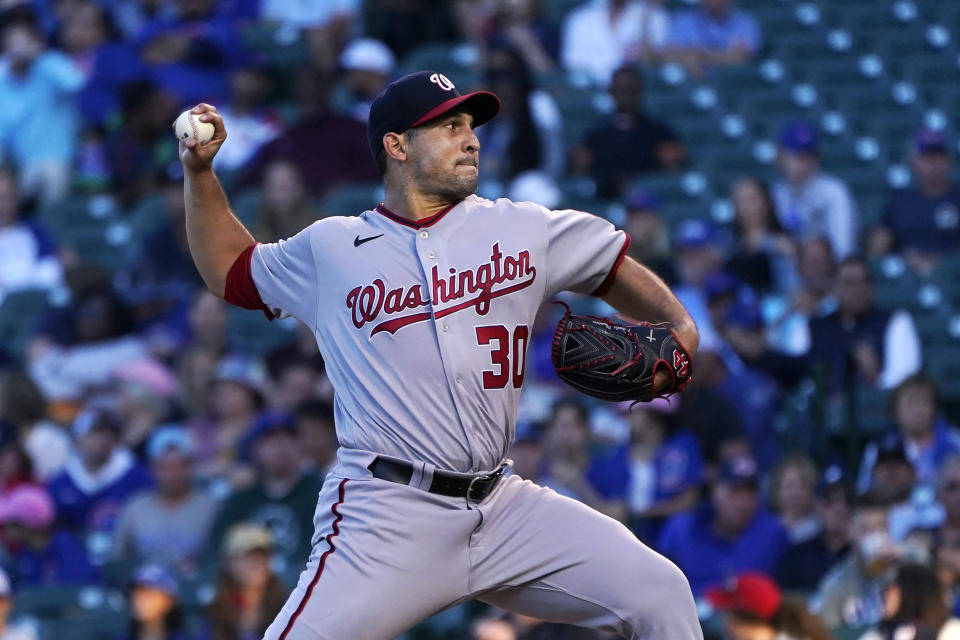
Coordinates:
(146,447)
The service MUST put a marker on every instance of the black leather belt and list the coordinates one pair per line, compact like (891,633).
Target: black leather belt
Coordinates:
(456,485)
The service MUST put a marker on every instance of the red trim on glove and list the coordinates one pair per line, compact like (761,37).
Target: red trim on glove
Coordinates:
(240,290)
(604,287)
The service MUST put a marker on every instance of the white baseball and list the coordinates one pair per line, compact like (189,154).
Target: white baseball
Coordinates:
(188,125)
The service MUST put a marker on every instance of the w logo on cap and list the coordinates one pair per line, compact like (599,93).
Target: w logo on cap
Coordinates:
(442,81)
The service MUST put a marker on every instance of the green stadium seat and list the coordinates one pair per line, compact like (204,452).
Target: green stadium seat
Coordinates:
(20,312)
(250,332)
(352,199)
(246,206)
(454,59)
(943,363)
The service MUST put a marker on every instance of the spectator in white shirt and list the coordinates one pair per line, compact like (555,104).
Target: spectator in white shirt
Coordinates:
(809,201)
(601,35)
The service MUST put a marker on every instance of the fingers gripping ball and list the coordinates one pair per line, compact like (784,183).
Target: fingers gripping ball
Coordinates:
(188,125)
(616,362)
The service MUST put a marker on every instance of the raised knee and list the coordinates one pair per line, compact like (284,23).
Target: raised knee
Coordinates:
(661,598)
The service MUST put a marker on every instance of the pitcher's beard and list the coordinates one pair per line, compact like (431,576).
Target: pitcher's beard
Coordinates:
(451,188)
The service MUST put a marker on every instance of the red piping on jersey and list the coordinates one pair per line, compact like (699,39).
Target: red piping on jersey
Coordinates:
(608,281)
(323,558)
(414,224)
(240,289)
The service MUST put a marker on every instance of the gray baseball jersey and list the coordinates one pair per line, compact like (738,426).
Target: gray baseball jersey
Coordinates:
(424,328)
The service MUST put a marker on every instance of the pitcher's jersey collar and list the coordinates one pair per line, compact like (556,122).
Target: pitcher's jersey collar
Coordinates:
(414,224)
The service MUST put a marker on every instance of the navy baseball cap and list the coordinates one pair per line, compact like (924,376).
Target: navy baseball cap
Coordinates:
(739,471)
(799,137)
(419,97)
(697,234)
(930,141)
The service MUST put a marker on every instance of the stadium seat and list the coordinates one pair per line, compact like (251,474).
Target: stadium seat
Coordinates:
(20,312)
(352,199)
(458,62)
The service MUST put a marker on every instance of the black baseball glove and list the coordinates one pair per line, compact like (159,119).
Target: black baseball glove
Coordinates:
(613,361)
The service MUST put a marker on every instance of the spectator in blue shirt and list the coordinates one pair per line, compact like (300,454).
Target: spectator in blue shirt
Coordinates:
(922,221)
(657,473)
(927,438)
(190,55)
(98,478)
(730,534)
(38,116)
(715,35)
(41,554)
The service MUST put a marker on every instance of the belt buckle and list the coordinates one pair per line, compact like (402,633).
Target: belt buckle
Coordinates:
(470,487)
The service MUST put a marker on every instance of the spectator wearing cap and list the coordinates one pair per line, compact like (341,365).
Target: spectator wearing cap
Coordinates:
(700,253)
(729,534)
(764,256)
(527,135)
(922,221)
(755,608)
(239,391)
(41,554)
(649,236)
(99,477)
(601,35)
(252,123)
(804,563)
(851,592)
(923,434)
(368,66)
(248,593)
(12,629)
(745,362)
(860,342)
(155,605)
(28,254)
(169,523)
(38,113)
(630,143)
(715,35)
(809,201)
(284,497)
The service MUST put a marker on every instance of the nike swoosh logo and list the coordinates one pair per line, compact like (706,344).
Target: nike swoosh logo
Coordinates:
(357,241)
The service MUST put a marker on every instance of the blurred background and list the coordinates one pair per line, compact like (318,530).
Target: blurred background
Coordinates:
(787,166)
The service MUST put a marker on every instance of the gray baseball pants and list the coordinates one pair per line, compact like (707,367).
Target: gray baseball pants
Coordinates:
(387,556)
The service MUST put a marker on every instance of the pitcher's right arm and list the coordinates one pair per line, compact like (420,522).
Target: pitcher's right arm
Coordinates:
(215,236)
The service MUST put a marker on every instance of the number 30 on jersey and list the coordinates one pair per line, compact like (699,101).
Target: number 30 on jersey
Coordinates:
(508,355)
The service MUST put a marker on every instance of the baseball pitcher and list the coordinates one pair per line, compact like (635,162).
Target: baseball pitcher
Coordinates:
(422,309)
